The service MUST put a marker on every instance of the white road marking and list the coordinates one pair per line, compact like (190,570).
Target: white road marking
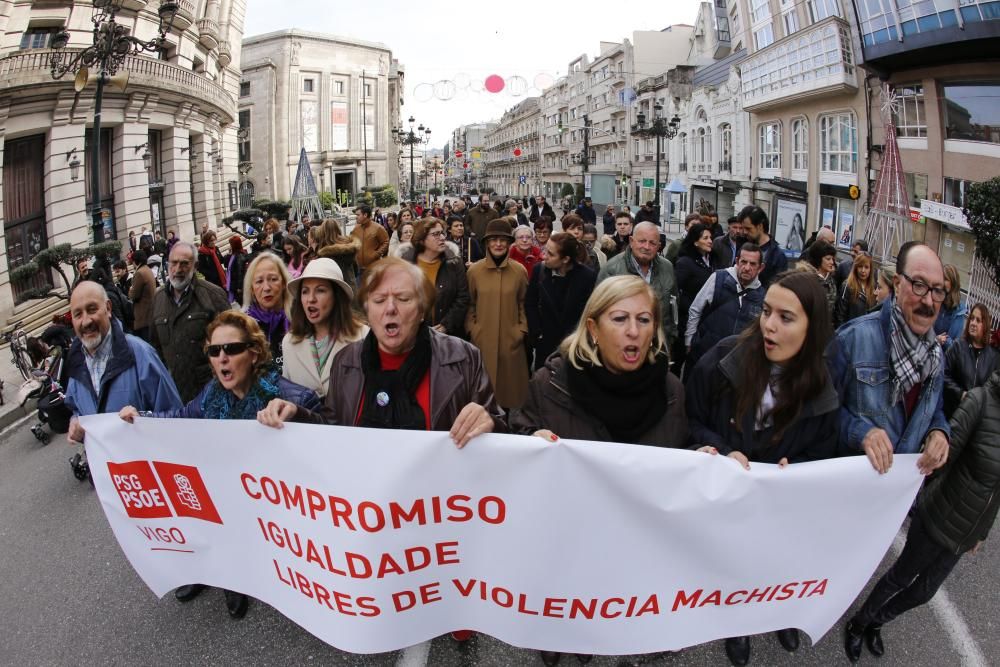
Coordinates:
(415,656)
(951,619)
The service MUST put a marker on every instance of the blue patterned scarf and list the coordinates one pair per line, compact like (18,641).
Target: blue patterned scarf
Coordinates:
(220,403)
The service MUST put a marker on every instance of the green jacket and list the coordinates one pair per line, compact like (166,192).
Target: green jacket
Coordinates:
(662,282)
(960,504)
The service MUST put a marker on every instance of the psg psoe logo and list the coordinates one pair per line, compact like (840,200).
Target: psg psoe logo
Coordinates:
(162,490)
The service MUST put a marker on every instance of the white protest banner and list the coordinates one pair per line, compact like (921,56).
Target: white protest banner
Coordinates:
(375,540)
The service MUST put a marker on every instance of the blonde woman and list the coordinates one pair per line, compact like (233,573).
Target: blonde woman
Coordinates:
(266,301)
(951,318)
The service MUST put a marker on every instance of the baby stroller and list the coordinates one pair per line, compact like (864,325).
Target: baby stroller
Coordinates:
(45,383)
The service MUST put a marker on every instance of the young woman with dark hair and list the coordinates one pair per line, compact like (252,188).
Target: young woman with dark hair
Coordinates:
(822,256)
(858,294)
(766,395)
(691,270)
(970,360)
(557,293)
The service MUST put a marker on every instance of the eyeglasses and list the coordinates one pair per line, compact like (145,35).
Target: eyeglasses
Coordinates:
(231,349)
(436,234)
(920,288)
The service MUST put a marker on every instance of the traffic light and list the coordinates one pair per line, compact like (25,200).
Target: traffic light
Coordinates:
(560,127)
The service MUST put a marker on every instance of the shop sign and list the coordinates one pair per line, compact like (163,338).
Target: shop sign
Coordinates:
(950,215)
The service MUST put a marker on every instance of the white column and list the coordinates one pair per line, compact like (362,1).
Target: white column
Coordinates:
(67,219)
(131,181)
(177,183)
(201,182)
(6,296)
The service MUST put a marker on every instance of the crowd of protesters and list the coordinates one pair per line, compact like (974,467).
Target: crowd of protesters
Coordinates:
(477,317)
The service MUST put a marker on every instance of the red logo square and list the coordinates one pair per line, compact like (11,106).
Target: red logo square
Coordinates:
(187,492)
(139,491)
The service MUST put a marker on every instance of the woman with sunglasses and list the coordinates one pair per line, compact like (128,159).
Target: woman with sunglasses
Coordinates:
(244,383)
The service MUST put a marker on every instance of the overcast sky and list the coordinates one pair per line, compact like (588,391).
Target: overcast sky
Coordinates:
(466,42)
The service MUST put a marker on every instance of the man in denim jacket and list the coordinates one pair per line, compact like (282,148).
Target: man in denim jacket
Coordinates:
(889,370)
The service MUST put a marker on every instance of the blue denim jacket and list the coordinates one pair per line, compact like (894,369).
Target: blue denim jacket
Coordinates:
(858,359)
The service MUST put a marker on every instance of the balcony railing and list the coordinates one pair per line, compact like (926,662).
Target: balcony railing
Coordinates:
(683,166)
(186,11)
(25,69)
(725,166)
(208,33)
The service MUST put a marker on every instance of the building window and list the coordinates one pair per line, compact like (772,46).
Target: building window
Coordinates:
(763,37)
(790,20)
(244,89)
(368,90)
(308,85)
(972,112)
(821,9)
(760,10)
(244,136)
(800,144)
(810,56)
(955,190)
(838,136)
(37,38)
(910,119)
(727,148)
(338,87)
(770,146)
(916,187)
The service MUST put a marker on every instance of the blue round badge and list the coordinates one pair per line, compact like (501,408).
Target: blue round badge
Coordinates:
(382,399)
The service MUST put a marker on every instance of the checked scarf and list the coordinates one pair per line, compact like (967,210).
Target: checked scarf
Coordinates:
(913,358)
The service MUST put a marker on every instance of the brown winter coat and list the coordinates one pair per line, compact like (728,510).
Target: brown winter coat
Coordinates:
(477,219)
(457,379)
(344,253)
(551,406)
(141,294)
(374,242)
(178,333)
(498,325)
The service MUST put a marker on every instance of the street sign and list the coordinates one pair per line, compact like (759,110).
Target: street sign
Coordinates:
(648,183)
(522,179)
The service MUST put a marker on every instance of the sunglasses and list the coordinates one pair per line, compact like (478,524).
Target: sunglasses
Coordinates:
(231,349)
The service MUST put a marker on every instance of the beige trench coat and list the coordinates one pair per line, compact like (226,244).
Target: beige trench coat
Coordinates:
(498,326)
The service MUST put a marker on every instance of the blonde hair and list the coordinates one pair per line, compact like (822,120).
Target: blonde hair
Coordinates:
(251,330)
(248,298)
(579,349)
(954,296)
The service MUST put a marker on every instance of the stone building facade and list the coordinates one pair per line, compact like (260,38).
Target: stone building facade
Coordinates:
(512,151)
(179,106)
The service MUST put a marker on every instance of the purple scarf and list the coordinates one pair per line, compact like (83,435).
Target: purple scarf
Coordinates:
(274,322)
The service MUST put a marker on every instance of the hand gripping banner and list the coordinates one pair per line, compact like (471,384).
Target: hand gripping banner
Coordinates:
(376,540)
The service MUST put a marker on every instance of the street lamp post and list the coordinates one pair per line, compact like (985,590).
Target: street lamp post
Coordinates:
(411,139)
(659,128)
(112,44)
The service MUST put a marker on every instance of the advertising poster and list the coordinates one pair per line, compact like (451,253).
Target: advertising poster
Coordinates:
(845,229)
(790,226)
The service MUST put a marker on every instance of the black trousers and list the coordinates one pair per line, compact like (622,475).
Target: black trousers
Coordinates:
(911,581)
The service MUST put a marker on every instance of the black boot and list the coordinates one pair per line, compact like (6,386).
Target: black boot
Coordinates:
(738,650)
(854,639)
(550,658)
(789,639)
(873,638)
(236,603)
(189,592)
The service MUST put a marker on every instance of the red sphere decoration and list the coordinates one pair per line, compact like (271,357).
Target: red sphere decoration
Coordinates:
(494,83)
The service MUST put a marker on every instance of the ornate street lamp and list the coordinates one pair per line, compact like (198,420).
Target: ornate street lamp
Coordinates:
(660,129)
(112,43)
(411,139)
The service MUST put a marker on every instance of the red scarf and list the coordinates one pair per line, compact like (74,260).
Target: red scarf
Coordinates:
(202,250)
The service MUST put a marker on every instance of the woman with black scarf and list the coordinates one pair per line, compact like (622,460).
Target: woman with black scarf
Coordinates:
(610,381)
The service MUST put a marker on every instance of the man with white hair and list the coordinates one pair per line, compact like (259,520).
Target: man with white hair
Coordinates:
(182,310)
(642,258)
(108,369)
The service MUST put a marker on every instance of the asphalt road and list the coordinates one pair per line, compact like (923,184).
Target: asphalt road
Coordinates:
(69,597)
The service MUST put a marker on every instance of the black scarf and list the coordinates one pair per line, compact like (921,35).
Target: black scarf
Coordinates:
(390,397)
(628,404)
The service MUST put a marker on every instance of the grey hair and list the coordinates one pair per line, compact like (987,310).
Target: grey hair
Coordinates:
(645,225)
(184,244)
